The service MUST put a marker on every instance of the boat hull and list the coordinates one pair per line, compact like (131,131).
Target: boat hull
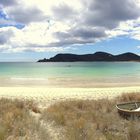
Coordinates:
(129,110)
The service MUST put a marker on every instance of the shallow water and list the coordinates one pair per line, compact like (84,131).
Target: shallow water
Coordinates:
(71,74)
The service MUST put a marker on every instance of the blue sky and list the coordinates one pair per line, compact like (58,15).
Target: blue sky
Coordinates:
(31,30)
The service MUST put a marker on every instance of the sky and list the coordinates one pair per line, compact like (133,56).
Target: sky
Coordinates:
(35,29)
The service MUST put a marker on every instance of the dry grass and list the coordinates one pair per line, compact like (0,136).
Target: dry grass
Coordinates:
(129,97)
(80,120)
(16,121)
(94,120)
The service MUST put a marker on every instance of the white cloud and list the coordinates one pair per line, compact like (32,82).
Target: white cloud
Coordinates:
(129,28)
(34,37)
(57,25)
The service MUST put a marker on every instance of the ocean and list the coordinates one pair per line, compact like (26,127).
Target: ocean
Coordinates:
(70,74)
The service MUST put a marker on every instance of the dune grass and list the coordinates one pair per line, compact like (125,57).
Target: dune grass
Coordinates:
(94,119)
(16,121)
(78,120)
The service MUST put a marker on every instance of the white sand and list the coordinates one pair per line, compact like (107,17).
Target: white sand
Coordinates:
(51,95)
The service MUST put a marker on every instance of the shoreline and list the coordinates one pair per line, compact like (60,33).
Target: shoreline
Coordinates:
(61,82)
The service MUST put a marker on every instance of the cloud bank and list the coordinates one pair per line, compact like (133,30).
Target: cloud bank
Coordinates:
(60,25)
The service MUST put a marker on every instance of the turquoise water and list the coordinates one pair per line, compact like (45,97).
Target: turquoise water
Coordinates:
(83,69)
(70,71)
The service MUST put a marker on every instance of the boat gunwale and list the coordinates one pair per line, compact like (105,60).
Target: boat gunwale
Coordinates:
(126,110)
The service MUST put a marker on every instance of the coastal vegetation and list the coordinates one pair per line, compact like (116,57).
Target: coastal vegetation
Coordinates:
(94,119)
(16,121)
(75,119)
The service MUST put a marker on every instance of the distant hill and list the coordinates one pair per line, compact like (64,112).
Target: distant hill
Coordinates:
(98,56)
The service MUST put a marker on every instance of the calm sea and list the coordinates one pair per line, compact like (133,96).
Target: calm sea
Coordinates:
(70,74)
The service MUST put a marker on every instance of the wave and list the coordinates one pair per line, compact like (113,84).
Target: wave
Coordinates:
(28,79)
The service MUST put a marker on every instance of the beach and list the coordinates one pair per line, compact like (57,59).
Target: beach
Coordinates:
(70,70)
(51,95)
(45,97)
(51,82)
